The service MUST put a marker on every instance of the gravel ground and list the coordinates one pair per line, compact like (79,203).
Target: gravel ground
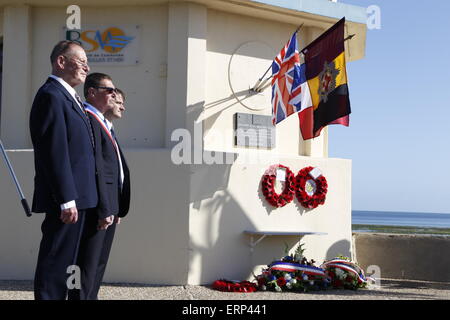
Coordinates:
(390,289)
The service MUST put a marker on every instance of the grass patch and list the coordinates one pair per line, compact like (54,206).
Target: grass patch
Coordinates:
(399,229)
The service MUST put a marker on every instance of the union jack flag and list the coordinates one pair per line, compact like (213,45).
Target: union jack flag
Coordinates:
(290,91)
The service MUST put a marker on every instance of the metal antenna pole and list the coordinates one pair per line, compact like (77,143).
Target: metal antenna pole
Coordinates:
(19,189)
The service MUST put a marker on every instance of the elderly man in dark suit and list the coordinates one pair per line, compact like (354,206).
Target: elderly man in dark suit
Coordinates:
(113,187)
(65,179)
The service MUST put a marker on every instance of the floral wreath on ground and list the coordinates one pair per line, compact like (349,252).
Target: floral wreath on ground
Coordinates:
(234,286)
(268,186)
(311,187)
(294,273)
(345,274)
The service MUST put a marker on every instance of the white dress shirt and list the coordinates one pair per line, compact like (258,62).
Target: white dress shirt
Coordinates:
(69,89)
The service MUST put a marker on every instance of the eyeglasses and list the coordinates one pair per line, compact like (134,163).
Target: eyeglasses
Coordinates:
(109,90)
(78,62)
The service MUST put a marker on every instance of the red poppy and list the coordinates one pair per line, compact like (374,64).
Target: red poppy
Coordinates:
(281,282)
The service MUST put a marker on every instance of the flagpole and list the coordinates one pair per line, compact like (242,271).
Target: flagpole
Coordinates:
(258,83)
(16,182)
(259,87)
(263,86)
(347,38)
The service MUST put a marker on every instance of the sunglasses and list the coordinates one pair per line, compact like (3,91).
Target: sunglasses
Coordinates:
(109,90)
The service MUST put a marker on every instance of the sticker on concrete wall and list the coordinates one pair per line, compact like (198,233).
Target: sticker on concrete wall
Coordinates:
(108,45)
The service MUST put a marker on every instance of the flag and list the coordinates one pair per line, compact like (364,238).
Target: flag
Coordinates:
(326,76)
(290,92)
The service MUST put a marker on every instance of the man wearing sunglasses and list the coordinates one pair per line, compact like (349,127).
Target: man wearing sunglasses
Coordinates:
(113,188)
(65,185)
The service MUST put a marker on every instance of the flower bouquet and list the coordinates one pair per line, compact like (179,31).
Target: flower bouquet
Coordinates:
(234,286)
(293,273)
(345,274)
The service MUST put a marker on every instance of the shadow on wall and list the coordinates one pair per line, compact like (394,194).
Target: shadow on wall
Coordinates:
(338,248)
(216,225)
(218,247)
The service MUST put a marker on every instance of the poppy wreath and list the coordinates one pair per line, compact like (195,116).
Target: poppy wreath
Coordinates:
(268,187)
(234,286)
(308,196)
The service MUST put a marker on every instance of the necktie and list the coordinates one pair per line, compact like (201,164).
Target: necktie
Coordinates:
(80,103)
(113,134)
(91,132)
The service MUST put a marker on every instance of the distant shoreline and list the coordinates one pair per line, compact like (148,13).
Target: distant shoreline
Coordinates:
(402,212)
(364,228)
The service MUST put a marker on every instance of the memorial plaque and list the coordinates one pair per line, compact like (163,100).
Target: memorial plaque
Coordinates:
(252,130)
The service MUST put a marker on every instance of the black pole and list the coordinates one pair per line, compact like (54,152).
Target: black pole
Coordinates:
(23,201)
(347,38)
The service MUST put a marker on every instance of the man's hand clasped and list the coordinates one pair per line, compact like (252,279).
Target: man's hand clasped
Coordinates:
(103,224)
(69,216)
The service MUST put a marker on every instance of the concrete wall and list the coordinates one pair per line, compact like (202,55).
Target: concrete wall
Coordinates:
(411,257)
(16,76)
(226,34)
(186,222)
(151,245)
(31,32)
(227,199)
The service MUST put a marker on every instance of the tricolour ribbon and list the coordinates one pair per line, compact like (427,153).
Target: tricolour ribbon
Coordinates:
(293,267)
(347,266)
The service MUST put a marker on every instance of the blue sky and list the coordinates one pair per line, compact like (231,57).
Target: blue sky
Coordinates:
(398,137)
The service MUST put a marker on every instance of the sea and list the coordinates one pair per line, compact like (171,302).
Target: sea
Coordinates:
(413,219)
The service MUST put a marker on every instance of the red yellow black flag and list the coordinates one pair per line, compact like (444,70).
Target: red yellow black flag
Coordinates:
(327,80)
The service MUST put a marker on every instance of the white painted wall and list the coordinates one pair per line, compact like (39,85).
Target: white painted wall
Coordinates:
(227,199)
(226,33)
(16,80)
(186,222)
(29,65)
(151,244)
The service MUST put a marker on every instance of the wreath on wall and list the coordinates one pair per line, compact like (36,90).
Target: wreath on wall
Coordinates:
(268,186)
(311,187)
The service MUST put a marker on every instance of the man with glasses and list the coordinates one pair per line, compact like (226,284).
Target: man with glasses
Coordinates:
(65,186)
(113,188)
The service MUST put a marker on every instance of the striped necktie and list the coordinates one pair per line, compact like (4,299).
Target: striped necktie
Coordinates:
(91,131)
(80,103)
(113,135)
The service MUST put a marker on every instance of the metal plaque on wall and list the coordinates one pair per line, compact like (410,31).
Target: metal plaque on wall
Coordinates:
(108,44)
(252,130)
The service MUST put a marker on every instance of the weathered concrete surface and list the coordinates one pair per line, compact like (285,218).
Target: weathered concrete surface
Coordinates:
(413,257)
(389,289)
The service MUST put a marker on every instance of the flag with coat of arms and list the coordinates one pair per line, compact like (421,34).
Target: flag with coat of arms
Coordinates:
(290,91)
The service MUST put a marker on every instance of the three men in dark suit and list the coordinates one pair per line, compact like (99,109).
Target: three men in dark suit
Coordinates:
(65,181)
(81,181)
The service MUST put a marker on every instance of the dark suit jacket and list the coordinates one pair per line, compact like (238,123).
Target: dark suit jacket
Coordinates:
(63,152)
(113,200)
